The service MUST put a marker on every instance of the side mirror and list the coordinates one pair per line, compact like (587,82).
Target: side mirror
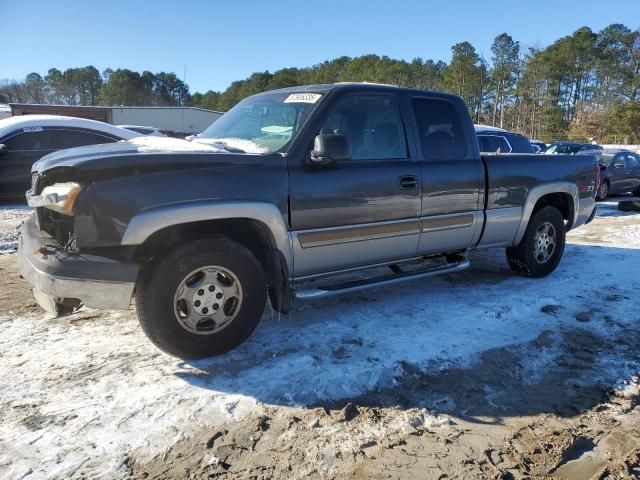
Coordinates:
(330,148)
(3,149)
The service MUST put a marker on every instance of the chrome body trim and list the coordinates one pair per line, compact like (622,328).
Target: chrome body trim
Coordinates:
(538,192)
(316,293)
(449,232)
(351,252)
(357,269)
(144,224)
(447,222)
(500,227)
(357,233)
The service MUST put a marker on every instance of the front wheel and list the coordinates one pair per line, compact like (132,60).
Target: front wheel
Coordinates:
(203,299)
(541,247)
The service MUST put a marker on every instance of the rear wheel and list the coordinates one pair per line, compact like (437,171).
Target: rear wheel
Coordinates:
(603,191)
(203,299)
(541,247)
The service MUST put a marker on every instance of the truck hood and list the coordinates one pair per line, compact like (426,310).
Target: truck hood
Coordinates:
(119,153)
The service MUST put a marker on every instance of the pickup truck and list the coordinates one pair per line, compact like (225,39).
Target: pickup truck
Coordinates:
(278,199)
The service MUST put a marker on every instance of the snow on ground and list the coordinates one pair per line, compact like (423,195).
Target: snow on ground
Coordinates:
(82,393)
(10,217)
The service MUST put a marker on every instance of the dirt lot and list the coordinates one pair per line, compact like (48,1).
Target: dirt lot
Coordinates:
(480,374)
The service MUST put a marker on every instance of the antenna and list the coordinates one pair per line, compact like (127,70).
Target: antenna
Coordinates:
(184,80)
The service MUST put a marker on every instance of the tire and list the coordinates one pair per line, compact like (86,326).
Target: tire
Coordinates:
(63,310)
(603,191)
(169,298)
(533,257)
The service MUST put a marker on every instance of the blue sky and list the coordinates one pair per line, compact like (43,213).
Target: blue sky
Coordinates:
(222,41)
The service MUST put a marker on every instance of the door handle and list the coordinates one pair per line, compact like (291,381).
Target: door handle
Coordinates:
(408,182)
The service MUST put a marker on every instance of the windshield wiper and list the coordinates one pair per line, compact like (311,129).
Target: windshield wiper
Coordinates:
(227,147)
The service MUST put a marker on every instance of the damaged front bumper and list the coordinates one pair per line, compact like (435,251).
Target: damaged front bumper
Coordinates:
(57,275)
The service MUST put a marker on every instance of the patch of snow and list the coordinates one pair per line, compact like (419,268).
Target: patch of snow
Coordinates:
(82,393)
(628,388)
(168,144)
(10,217)
(245,145)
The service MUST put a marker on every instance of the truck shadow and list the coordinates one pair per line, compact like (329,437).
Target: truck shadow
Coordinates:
(481,345)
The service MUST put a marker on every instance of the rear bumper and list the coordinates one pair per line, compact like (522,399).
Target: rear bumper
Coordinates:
(586,211)
(98,282)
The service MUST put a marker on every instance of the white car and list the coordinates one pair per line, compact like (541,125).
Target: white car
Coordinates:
(142,130)
(27,138)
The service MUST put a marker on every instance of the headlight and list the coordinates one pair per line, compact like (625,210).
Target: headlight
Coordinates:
(60,197)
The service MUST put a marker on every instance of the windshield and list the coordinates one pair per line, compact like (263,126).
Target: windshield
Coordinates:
(262,124)
(563,148)
(606,158)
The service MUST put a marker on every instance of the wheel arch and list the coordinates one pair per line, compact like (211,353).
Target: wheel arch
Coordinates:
(562,195)
(258,226)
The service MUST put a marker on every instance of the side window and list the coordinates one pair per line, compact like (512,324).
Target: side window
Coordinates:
(439,129)
(76,138)
(36,140)
(372,124)
(619,161)
(632,160)
(483,143)
(505,146)
(520,144)
(493,143)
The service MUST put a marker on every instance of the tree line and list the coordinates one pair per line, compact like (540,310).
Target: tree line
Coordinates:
(583,86)
(87,86)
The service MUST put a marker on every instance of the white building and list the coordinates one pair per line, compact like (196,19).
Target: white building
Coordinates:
(181,120)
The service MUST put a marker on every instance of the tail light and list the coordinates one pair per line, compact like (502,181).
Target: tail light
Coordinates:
(598,177)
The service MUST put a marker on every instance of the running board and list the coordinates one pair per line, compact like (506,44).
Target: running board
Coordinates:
(348,287)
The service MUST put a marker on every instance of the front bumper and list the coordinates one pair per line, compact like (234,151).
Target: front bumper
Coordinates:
(98,282)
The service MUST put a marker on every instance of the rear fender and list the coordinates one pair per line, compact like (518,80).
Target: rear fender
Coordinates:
(534,196)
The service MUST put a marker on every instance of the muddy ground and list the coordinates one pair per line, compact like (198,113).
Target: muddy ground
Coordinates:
(564,405)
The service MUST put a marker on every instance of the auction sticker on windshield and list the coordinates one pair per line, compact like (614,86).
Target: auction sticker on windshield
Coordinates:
(302,98)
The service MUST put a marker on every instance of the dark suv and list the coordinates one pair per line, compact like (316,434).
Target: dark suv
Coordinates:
(493,139)
(573,148)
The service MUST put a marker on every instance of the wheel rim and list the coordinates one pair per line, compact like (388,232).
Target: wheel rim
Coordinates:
(207,300)
(604,190)
(544,242)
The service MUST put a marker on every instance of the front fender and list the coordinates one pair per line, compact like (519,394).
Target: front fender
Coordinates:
(147,222)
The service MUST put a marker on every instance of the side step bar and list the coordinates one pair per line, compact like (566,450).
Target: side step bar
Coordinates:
(348,287)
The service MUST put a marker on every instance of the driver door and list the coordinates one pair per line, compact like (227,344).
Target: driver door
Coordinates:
(360,211)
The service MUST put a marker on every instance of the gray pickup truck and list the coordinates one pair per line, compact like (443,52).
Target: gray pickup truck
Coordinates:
(279,198)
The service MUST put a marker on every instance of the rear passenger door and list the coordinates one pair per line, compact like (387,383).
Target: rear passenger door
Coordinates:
(452,177)
(619,176)
(633,167)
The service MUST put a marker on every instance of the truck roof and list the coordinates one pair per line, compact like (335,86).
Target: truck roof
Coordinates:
(355,86)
